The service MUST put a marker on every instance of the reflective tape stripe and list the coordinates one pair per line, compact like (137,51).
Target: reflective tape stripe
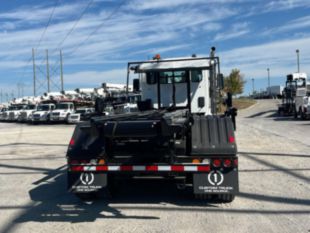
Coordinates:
(149,168)
(190,168)
(177,168)
(114,168)
(164,168)
(90,168)
(138,168)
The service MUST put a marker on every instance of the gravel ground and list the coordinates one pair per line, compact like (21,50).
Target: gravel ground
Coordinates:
(274,185)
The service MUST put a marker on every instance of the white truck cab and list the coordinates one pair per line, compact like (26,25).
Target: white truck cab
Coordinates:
(177,85)
(43,113)
(62,112)
(24,115)
(81,114)
(301,98)
(14,112)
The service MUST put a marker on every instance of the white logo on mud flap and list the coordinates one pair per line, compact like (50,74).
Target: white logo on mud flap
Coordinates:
(87,178)
(215,178)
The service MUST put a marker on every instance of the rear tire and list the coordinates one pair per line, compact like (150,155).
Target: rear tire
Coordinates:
(87,196)
(225,198)
(204,196)
(217,198)
(295,114)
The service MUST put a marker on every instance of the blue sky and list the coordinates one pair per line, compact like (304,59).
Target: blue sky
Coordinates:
(249,35)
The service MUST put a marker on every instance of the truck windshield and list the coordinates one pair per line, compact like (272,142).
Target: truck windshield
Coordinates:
(62,106)
(20,107)
(81,111)
(30,107)
(43,108)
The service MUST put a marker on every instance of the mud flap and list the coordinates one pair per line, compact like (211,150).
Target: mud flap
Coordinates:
(216,182)
(86,182)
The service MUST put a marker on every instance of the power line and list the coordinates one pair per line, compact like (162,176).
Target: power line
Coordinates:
(72,28)
(40,40)
(48,23)
(99,26)
(75,24)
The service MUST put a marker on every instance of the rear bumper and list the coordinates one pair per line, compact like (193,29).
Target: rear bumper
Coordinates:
(139,168)
(205,178)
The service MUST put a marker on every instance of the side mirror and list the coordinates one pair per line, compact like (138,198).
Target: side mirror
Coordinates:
(136,85)
(220,78)
(229,100)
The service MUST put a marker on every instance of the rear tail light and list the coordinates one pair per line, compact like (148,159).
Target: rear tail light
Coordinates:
(216,163)
(72,142)
(231,139)
(74,162)
(236,162)
(227,163)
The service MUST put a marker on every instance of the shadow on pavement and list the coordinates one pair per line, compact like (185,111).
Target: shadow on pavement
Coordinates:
(272,165)
(50,202)
(274,154)
(32,144)
(260,114)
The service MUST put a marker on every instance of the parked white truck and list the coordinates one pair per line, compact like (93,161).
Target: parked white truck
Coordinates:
(301,98)
(62,112)
(43,113)
(25,114)
(14,112)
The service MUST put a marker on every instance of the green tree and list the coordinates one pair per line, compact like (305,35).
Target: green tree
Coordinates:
(234,82)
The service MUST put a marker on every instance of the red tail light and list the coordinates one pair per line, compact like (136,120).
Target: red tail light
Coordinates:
(74,162)
(72,142)
(216,163)
(231,139)
(227,163)
(236,162)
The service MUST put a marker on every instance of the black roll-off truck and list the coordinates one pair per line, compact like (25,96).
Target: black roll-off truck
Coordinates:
(177,133)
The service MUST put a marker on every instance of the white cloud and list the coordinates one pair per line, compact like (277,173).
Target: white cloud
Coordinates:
(303,22)
(237,30)
(122,34)
(285,5)
(279,56)
(41,13)
(93,78)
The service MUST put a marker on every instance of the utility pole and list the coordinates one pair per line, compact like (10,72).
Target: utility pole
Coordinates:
(297,53)
(7,97)
(34,74)
(18,90)
(12,95)
(61,73)
(47,73)
(268,72)
(253,89)
(22,85)
(1,95)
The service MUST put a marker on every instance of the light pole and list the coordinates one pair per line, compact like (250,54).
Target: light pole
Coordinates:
(268,72)
(297,53)
(253,89)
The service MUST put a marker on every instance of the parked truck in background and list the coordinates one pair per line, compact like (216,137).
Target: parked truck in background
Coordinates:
(301,96)
(177,134)
(81,114)
(43,113)
(27,111)
(62,112)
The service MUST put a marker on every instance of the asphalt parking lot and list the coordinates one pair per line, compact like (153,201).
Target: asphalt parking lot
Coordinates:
(274,174)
